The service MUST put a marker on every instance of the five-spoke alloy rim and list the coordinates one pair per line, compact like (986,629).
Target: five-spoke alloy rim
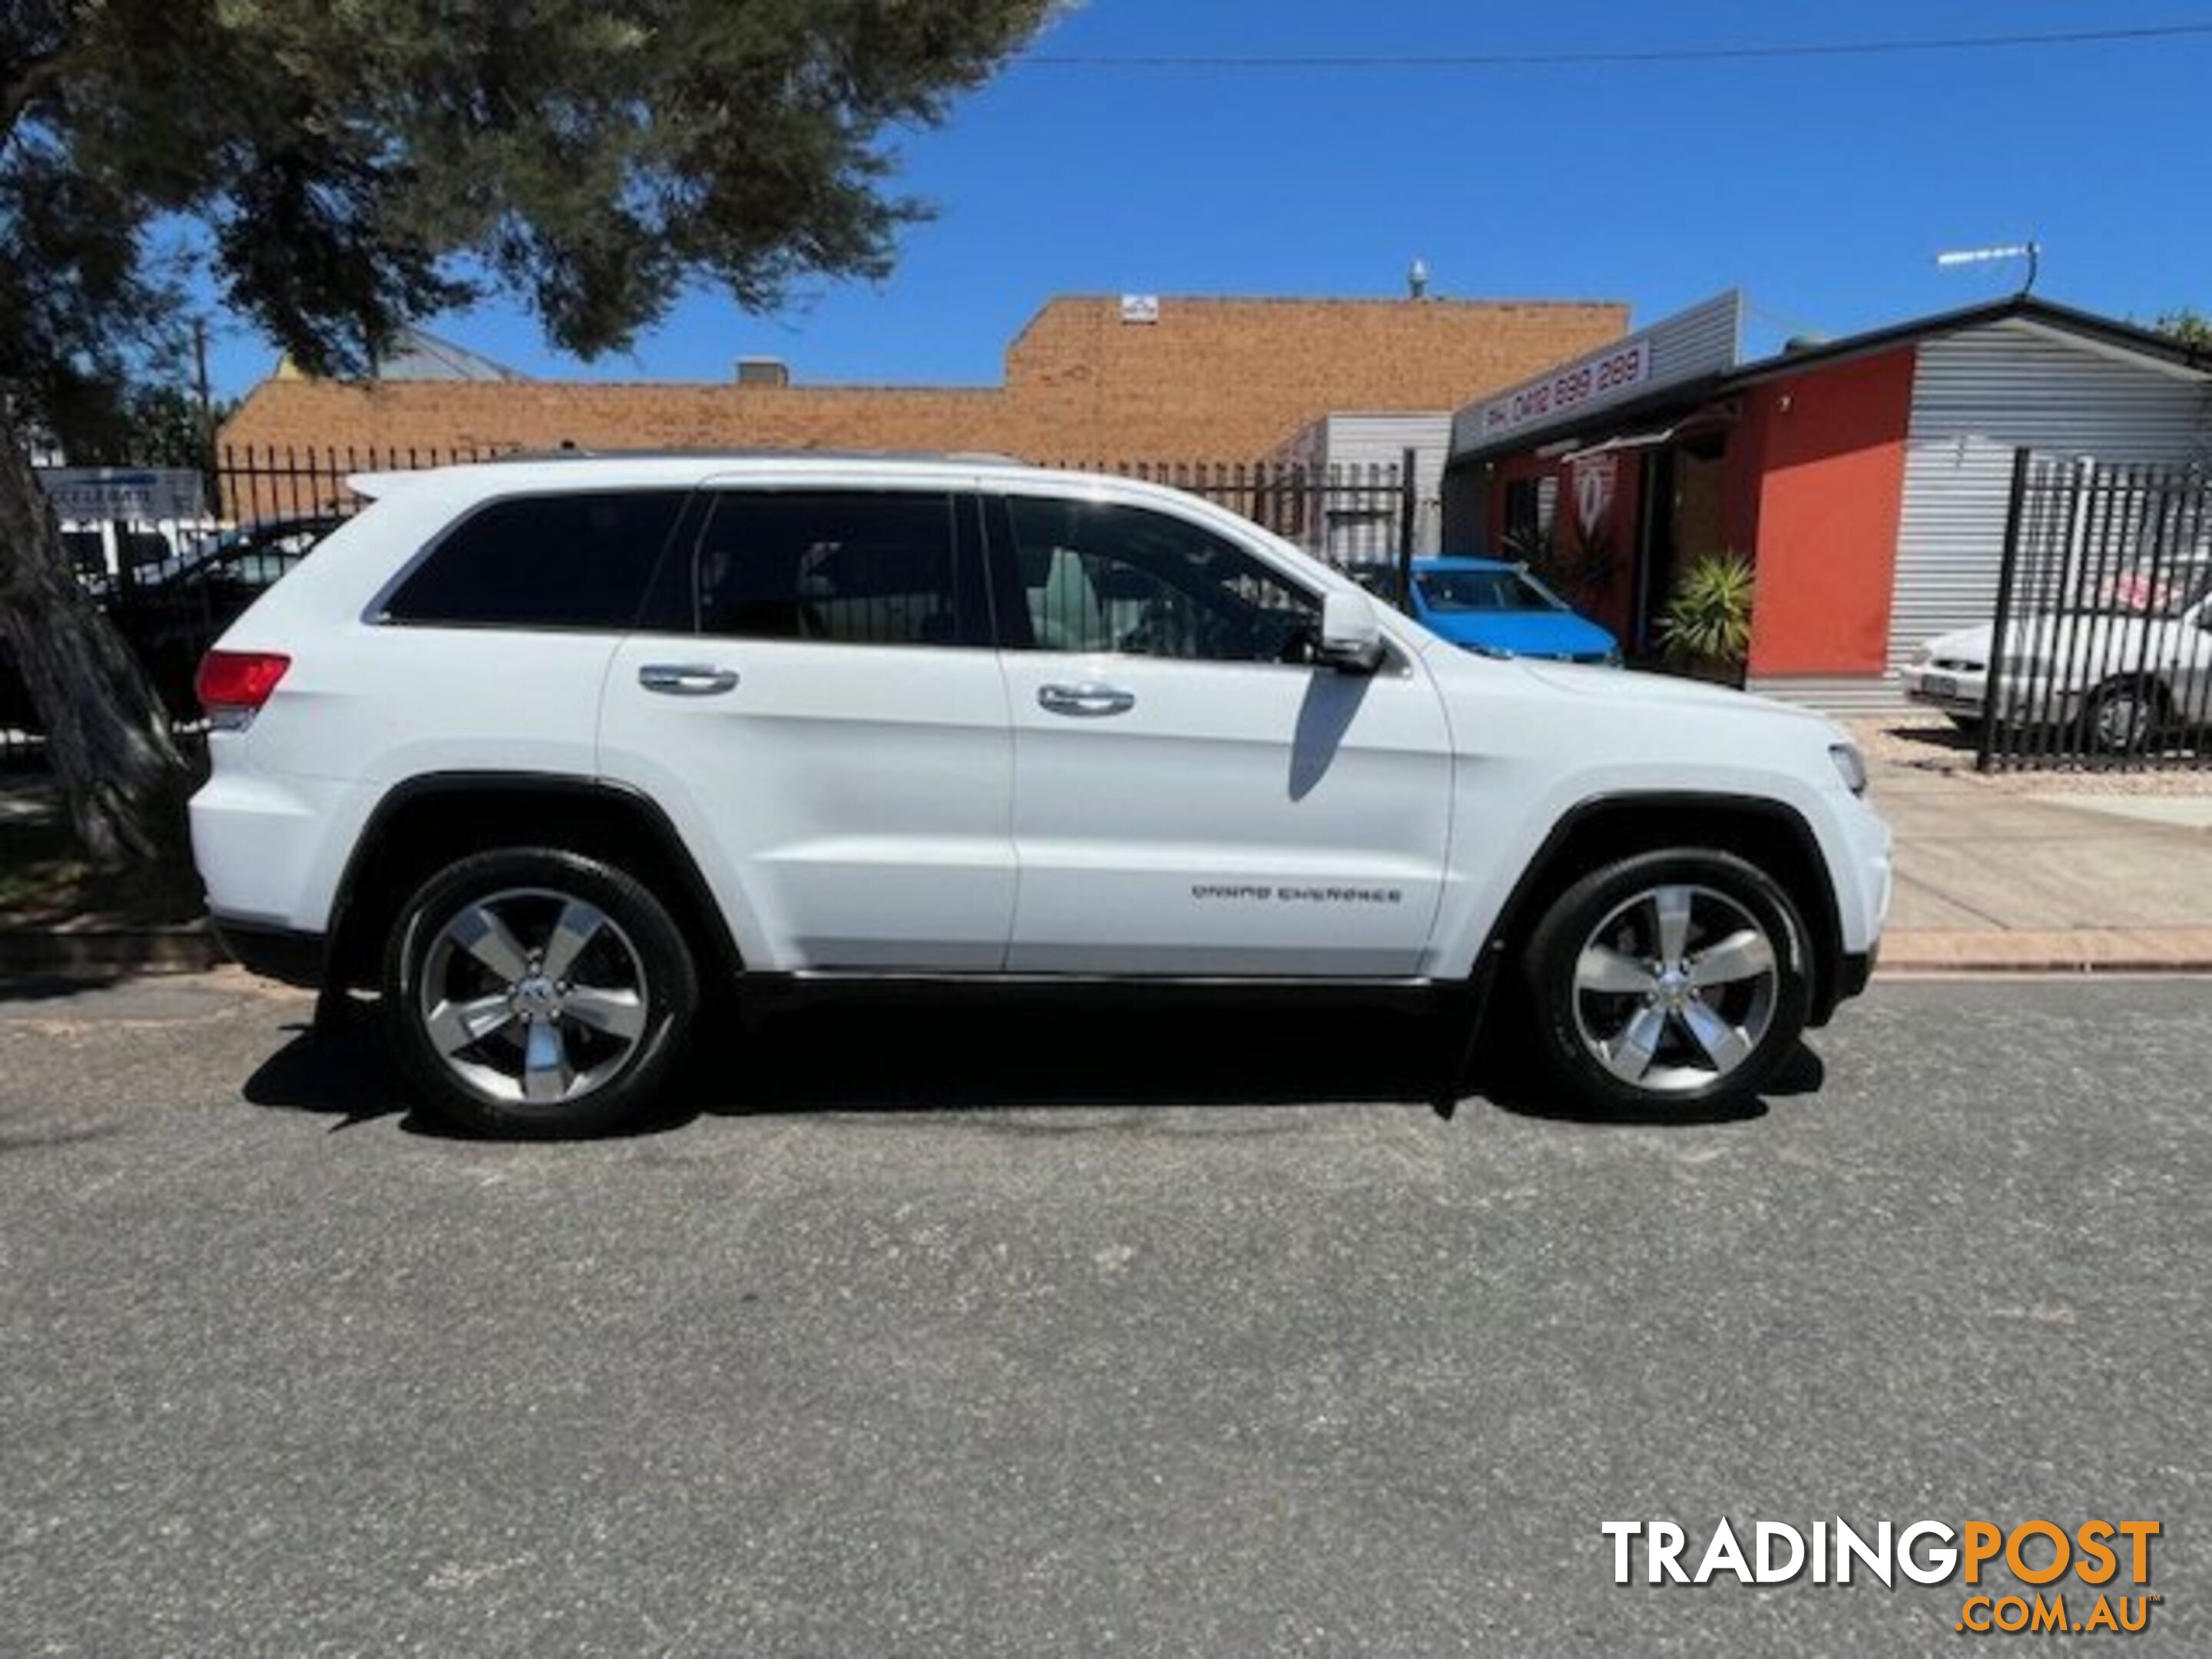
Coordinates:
(533,996)
(2122,718)
(1675,989)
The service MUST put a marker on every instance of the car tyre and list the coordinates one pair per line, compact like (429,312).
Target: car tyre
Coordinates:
(534,993)
(1667,981)
(2123,717)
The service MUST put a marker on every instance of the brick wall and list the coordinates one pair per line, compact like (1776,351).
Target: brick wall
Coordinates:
(1213,379)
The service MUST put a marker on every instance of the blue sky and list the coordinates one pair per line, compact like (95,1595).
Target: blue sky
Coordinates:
(1823,187)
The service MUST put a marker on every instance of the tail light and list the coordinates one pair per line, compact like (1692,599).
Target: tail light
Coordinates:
(232,685)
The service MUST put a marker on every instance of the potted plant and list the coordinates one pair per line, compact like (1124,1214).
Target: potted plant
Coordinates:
(1705,627)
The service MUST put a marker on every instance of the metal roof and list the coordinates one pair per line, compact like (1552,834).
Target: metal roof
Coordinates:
(2106,333)
(417,356)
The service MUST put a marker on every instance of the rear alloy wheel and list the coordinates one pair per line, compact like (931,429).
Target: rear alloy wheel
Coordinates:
(535,991)
(1667,979)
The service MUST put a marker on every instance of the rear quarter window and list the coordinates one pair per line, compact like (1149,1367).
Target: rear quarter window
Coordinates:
(568,561)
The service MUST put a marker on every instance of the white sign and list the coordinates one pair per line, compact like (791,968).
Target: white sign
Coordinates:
(1593,379)
(1596,477)
(1140,307)
(1688,346)
(116,492)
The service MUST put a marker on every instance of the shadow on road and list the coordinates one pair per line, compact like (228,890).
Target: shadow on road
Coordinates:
(43,984)
(899,1060)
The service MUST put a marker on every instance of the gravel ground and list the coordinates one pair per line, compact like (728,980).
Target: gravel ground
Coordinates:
(1929,744)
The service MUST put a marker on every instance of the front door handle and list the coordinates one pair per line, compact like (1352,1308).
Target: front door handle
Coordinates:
(686,679)
(1087,700)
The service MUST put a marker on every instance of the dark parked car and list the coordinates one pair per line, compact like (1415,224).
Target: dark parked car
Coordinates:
(175,607)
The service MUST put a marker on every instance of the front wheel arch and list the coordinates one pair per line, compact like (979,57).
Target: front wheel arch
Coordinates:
(1603,830)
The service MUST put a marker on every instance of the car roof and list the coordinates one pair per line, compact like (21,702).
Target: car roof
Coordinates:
(579,470)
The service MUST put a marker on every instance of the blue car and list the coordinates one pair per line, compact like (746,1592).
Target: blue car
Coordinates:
(1486,605)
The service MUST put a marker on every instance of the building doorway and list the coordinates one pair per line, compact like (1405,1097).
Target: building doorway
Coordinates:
(1683,518)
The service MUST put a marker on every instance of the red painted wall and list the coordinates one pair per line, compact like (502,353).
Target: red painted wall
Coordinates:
(1811,491)
(1831,498)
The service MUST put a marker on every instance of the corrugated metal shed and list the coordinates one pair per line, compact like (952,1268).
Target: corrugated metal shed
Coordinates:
(1357,443)
(1371,439)
(1979,394)
(1382,440)
(1832,694)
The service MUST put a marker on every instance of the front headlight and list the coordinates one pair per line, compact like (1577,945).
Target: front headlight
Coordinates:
(1850,766)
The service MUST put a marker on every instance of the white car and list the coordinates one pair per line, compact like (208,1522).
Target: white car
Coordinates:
(549,751)
(2135,664)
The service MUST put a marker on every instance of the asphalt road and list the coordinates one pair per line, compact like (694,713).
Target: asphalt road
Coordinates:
(1025,1336)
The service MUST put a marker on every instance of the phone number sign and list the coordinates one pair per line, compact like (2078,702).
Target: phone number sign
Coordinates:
(1593,380)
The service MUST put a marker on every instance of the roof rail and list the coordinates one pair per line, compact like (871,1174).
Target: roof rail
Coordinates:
(712,453)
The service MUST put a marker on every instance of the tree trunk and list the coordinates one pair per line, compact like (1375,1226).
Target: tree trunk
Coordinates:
(107,735)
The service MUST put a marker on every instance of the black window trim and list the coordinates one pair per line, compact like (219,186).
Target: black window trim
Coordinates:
(377,612)
(973,611)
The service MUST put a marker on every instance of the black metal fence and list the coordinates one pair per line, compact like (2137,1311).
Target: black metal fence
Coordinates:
(2101,650)
(254,483)
(1368,520)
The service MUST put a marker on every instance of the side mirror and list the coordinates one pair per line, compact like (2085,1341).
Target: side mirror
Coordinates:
(1350,634)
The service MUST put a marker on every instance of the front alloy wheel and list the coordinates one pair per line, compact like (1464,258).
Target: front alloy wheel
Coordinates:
(1665,980)
(2122,717)
(1675,989)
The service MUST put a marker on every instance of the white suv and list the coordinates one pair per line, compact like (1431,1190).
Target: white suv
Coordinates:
(549,751)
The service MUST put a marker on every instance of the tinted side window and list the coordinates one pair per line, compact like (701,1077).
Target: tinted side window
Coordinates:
(1096,577)
(854,568)
(578,560)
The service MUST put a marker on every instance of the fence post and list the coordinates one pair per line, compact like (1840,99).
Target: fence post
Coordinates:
(1993,688)
(1409,507)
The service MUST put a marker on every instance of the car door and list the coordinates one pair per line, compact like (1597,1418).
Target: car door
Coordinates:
(1191,796)
(817,703)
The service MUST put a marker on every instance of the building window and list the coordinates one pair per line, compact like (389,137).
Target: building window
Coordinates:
(1532,507)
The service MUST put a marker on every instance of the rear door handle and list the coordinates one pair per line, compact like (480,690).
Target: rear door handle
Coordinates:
(686,679)
(1086,701)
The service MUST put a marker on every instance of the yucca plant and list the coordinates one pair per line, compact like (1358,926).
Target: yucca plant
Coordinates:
(1707,622)
(1579,564)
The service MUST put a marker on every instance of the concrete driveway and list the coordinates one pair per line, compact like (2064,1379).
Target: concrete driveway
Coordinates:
(1988,878)
(925,1334)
